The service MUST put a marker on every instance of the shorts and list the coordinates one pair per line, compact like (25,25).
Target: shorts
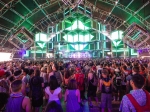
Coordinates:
(124,87)
(117,89)
(106,101)
(91,93)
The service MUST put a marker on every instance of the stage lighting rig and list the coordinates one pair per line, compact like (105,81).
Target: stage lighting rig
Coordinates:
(72,3)
(137,37)
(22,39)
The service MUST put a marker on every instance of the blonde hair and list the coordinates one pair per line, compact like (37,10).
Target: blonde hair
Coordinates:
(42,69)
(49,69)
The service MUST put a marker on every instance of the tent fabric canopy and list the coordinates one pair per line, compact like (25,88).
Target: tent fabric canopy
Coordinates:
(37,15)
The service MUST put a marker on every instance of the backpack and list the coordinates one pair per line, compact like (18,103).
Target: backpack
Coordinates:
(58,77)
(145,108)
(80,82)
(118,80)
(95,83)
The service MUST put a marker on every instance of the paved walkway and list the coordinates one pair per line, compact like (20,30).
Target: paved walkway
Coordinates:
(115,105)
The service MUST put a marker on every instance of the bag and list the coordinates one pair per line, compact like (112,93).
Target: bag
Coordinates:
(80,82)
(57,74)
(118,80)
(145,108)
(95,83)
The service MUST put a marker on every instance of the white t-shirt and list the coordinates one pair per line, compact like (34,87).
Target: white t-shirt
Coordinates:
(51,73)
(54,96)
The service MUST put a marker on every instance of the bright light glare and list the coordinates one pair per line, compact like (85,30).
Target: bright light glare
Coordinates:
(41,37)
(80,38)
(41,45)
(5,57)
(77,25)
(145,57)
(116,35)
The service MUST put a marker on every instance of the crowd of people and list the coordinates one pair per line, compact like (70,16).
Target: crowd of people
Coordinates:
(42,86)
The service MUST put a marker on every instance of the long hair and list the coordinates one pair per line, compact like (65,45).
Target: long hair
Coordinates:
(72,84)
(53,83)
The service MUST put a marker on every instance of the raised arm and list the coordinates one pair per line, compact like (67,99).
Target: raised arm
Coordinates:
(26,104)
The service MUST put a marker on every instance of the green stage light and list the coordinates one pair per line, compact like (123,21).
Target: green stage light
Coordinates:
(77,25)
(133,52)
(41,37)
(78,37)
(79,46)
(23,41)
(41,45)
(116,37)
(116,43)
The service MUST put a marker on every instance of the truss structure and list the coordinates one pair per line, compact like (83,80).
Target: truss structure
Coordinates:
(72,3)
(137,37)
(22,39)
(98,16)
(129,11)
(55,17)
(23,18)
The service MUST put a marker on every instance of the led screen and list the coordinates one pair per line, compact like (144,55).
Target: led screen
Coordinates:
(5,56)
(76,35)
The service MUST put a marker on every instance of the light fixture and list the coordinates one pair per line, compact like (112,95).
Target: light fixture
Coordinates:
(116,2)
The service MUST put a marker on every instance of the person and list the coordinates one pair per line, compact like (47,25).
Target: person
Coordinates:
(53,107)
(4,97)
(49,71)
(37,85)
(44,75)
(53,91)
(135,70)
(72,97)
(92,85)
(138,94)
(106,91)
(117,85)
(57,74)
(66,78)
(79,77)
(26,79)
(3,84)
(17,102)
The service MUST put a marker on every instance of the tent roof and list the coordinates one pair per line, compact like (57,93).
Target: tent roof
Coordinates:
(36,15)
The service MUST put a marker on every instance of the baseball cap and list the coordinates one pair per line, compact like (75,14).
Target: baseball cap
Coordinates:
(2,73)
(78,68)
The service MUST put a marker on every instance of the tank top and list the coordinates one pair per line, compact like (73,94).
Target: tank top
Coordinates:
(72,102)
(106,89)
(14,103)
